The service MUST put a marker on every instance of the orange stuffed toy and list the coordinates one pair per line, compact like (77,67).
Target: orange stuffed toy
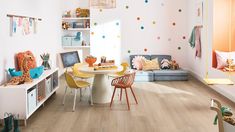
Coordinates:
(20,57)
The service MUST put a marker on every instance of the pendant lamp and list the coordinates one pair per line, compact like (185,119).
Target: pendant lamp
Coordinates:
(103,4)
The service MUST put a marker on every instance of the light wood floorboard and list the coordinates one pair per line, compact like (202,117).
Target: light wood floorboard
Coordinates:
(177,106)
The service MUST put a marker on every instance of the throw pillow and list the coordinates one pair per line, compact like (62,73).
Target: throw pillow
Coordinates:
(151,65)
(20,57)
(165,64)
(222,57)
(138,62)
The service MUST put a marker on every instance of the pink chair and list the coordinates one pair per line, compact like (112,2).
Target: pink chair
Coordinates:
(124,82)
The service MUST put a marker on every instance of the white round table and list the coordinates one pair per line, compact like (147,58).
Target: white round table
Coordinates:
(101,90)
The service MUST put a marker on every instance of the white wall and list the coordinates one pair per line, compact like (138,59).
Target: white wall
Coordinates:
(128,35)
(198,66)
(46,40)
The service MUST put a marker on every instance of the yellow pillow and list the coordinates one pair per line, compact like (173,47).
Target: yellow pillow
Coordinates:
(151,65)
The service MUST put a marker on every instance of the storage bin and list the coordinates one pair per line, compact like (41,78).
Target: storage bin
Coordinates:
(41,91)
(32,99)
(48,86)
(76,42)
(66,41)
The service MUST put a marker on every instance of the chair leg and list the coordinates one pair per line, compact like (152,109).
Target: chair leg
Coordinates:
(121,94)
(112,97)
(134,95)
(91,99)
(127,100)
(80,94)
(65,94)
(74,101)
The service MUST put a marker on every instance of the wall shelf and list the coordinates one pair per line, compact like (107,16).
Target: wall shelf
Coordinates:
(75,18)
(78,29)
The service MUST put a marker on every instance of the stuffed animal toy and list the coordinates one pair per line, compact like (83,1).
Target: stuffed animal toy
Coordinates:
(67,14)
(82,12)
(227,116)
(26,73)
(65,25)
(165,64)
(34,73)
(174,65)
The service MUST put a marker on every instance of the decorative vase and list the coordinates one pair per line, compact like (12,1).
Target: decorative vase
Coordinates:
(90,61)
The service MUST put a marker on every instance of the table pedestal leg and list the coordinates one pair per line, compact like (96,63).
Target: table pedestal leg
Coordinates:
(101,91)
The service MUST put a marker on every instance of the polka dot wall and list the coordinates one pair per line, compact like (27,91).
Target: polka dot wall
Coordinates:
(141,27)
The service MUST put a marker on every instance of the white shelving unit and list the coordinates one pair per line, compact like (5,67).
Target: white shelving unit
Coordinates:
(78,29)
(26,98)
(75,18)
(79,47)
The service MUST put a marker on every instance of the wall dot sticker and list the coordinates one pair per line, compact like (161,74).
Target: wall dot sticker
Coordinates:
(95,23)
(129,51)
(162,4)
(138,18)
(101,10)
(179,48)
(142,27)
(184,37)
(173,23)
(146,1)
(169,39)
(145,50)
(117,23)
(180,10)
(103,36)
(158,37)
(92,33)
(127,7)
(154,22)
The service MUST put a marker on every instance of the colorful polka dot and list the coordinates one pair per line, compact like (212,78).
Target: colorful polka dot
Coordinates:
(154,22)
(179,48)
(162,4)
(169,39)
(184,37)
(127,7)
(129,51)
(158,37)
(95,23)
(103,36)
(180,10)
(146,1)
(142,27)
(92,33)
(138,18)
(117,23)
(145,50)
(101,10)
(173,23)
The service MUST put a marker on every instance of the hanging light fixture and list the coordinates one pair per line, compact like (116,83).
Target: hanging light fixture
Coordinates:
(103,4)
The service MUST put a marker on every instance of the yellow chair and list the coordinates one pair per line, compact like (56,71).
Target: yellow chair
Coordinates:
(79,74)
(125,66)
(76,84)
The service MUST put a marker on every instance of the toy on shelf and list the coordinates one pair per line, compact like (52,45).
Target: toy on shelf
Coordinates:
(174,65)
(34,73)
(67,14)
(230,66)
(45,61)
(90,60)
(65,25)
(82,12)
(26,73)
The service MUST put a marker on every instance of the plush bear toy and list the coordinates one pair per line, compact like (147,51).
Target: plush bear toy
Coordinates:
(82,12)
(174,65)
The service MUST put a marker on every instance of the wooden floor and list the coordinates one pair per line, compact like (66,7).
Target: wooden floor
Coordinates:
(163,107)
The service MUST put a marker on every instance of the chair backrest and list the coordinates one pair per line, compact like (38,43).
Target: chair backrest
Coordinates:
(126,80)
(75,69)
(70,80)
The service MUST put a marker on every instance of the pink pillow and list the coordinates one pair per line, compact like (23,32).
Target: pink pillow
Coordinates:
(222,58)
(138,62)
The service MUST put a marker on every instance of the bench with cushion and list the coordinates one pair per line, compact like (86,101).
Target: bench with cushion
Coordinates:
(159,75)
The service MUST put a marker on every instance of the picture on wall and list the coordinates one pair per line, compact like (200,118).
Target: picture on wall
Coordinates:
(199,12)
(21,26)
